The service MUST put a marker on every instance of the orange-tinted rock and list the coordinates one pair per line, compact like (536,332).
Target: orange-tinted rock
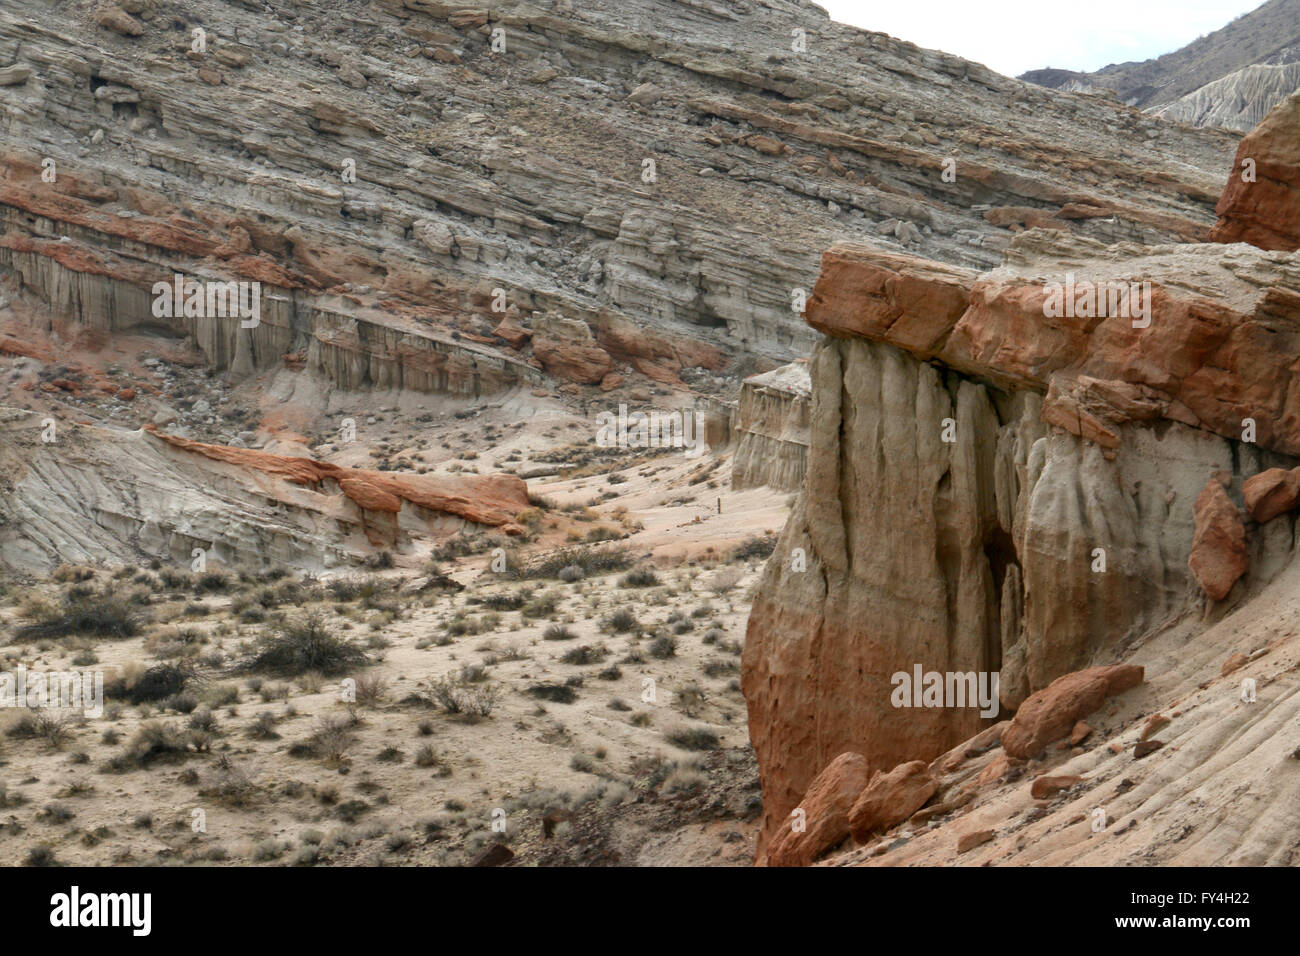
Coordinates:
(825,817)
(890,798)
(905,300)
(1079,734)
(1212,354)
(1050,714)
(491,500)
(1234,662)
(1218,556)
(516,335)
(1146,747)
(583,364)
(996,769)
(112,17)
(1049,786)
(1271,493)
(970,841)
(1154,723)
(1265,212)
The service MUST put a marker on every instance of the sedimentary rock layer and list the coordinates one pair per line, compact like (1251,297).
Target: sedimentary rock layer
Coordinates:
(991,489)
(397,159)
(85,494)
(771,429)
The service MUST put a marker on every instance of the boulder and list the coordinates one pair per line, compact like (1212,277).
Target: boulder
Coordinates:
(890,798)
(1218,555)
(1270,493)
(826,808)
(1051,713)
(1261,203)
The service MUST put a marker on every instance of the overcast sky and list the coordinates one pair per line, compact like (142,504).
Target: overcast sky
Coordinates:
(1012,36)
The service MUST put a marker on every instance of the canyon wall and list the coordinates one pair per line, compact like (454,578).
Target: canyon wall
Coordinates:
(82,494)
(992,486)
(771,428)
(392,168)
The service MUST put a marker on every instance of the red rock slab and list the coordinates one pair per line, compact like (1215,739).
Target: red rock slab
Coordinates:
(825,818)
(1265,212)
(1267,495)
(491,500)
(1051,713)
(890,798)
(1049,786)
(1218,557)
(1213,354)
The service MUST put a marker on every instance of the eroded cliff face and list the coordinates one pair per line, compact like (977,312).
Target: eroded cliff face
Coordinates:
(395,164)
(993,487)
(103,496)
(771,429)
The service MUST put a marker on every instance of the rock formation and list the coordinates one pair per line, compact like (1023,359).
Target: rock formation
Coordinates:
(94,495)
(1230,77)
(1261,204)
(771,429)
(1237,101)
(998,482)
(389,173)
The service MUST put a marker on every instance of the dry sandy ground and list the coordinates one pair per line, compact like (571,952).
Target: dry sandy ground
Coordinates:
(415,784)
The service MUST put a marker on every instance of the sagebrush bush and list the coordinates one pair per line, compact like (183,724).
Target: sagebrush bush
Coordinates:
(307,644)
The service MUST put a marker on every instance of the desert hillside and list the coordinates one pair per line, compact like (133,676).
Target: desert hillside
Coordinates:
(611,434)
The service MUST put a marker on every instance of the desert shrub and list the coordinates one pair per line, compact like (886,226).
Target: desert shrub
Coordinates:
(154,743)
(55,729)
(663,647)
(556,693)
(160,682)
(371,689)
(456,695)
(541,606)
(725,580)
(719,667)
(639,578)
(558,632)
(621,621)
(84,613)
(693,738)
(263,727)
(761,546)
(306,644)
(571,573)
(332,739)
(203,719)
(40,855)
(690,699)
(505,602)
(213,582)
(229,784)
(590,561)
(584,654)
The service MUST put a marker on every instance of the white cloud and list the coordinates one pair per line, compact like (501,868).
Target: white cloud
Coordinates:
(1012,36)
